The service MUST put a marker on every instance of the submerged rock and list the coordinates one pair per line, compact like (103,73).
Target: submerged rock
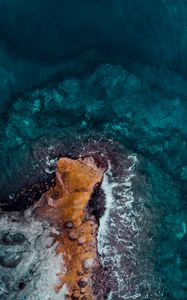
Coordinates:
(11,260)
(13,239)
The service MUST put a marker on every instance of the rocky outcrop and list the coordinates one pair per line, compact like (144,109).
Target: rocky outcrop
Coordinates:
(146,225)
(65,206)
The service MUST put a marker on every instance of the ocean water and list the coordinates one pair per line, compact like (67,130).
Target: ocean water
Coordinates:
(74,72)
(140,233)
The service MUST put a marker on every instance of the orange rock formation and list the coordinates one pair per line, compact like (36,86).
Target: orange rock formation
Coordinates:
(65,206)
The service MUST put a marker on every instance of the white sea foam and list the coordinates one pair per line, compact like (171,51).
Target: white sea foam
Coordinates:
(50,164)
(40,264)
(108,185)
(120,230)
(107,188)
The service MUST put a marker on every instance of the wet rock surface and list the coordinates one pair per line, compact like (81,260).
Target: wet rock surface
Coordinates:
(83,282)
(76,179)
(69,225)
(11,260)
(87,263)
(80,232)
(13,239)
(73,236)
(81,240)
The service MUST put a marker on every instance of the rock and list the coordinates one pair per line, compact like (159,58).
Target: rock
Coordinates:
(88,263)
(80,273)
(83,282)
(69,225)
(83,291)
(73,236)
(76,295)
(14,239)
(22,285)
(38,241)
(45,225)
(55,195)
(11,260)
(81,240)
(76,182)
(68,294)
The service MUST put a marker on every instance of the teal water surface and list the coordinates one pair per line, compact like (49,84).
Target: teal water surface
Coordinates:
(71,71)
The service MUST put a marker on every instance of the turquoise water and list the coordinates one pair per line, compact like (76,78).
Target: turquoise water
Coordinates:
(82,70)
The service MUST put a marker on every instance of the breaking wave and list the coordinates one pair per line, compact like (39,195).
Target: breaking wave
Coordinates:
(122,238)
(35,277)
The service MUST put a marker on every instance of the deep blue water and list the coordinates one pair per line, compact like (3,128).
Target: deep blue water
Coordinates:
(74,70)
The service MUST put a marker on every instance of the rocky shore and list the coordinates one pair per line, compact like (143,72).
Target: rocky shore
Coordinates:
(73,228)
(104,247)
(65,206)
